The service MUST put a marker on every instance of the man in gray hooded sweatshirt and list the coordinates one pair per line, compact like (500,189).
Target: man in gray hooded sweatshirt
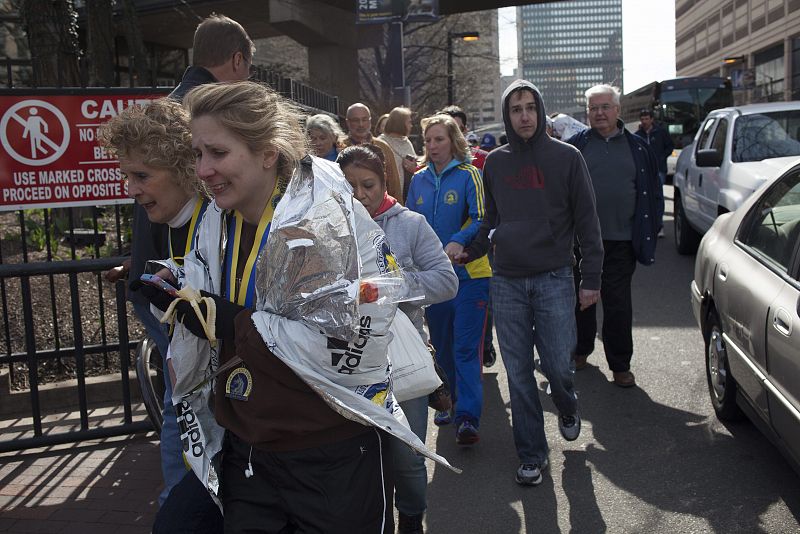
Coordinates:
(539,198)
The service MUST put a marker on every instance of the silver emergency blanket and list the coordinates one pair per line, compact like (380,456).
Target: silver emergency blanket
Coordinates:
(353,377)
(341,349)
(309,268)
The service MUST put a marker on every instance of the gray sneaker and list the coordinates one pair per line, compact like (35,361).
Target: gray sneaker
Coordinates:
(570,426)
(531,474)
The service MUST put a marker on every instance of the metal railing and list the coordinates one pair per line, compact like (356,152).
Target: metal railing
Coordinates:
(311,99)
(33,356)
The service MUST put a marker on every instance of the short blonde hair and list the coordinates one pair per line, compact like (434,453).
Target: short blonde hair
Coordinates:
(458,143)
(396,123)
(158,132)
(380,124)
(258,115)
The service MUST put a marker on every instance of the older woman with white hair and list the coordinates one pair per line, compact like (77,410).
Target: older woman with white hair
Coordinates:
(324,135)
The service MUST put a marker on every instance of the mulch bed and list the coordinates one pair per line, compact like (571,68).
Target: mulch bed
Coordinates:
(52,305)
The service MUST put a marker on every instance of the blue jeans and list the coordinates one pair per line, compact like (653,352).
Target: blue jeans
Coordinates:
(410,475)
(536,310)
(456,327)
(173,468)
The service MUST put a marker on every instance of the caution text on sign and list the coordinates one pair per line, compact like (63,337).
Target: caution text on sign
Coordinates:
(49,155)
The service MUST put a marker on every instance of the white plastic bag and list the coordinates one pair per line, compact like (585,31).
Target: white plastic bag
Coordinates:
(413,372)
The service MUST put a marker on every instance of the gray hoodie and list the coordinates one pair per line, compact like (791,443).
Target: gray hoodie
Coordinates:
(539,199)
(419,252)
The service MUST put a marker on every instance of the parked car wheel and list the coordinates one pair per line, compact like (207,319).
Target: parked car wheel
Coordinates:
(686,238)
(721,384)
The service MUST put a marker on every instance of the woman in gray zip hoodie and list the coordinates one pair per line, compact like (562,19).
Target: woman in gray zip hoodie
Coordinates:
(419,252)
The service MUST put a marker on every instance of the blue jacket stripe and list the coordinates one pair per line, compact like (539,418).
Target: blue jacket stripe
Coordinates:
(478,181)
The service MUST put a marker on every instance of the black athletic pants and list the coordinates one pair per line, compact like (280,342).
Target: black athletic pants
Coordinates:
(188,509)
(339,488)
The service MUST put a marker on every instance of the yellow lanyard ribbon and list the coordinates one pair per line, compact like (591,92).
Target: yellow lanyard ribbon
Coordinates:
(238,292)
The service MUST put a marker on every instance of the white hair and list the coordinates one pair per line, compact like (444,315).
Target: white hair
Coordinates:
(326,124)
(603,89)
(357,105)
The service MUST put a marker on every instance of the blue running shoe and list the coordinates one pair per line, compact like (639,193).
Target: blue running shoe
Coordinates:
(467,434)
(441,418)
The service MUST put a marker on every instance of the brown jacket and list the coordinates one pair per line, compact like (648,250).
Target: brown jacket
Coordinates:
(282,413)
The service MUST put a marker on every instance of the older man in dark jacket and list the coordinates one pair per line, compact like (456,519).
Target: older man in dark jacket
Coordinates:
(630,204)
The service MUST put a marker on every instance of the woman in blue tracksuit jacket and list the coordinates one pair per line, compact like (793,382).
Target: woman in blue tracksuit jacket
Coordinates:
(449,193)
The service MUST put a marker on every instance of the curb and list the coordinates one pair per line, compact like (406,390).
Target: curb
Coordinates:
(61,396)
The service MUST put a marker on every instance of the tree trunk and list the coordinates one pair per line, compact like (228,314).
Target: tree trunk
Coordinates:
(52,30)
(100,42)
(139,61)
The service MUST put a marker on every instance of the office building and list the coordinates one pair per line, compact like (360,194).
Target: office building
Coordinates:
(566,47)
(755,42)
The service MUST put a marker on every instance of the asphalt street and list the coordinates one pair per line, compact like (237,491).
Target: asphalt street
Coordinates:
(649,459)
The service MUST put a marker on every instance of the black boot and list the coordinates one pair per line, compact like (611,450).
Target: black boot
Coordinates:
(410,524)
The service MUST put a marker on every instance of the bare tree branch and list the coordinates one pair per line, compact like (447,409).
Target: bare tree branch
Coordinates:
(425,54)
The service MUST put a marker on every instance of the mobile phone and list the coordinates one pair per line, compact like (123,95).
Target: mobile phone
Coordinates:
(409,157)
(156,281)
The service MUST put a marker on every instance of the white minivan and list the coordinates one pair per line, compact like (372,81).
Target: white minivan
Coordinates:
(735,151)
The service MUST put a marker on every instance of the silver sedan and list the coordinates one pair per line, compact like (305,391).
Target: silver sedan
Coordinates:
(746,300)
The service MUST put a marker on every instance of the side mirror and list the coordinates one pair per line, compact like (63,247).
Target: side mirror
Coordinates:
(708,157)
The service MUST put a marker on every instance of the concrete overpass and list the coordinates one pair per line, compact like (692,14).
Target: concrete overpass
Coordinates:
(326,28)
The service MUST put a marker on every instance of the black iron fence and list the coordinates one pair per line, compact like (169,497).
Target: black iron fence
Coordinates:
(114,348)
(61,321)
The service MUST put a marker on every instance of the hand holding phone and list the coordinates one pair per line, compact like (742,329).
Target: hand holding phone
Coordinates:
(156,281)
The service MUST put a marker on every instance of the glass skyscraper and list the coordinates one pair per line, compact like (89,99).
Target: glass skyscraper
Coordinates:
(566,47)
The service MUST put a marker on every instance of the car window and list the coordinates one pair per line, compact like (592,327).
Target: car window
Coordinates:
(766,135)
(718,142)
(705,134)
(774,227)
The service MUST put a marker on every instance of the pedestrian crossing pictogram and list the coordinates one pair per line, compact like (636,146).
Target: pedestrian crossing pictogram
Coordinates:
(43,128)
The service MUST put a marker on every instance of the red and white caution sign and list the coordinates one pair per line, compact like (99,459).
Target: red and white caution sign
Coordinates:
(50,156)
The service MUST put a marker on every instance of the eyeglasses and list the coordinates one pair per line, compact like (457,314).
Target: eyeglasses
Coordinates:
(603,107)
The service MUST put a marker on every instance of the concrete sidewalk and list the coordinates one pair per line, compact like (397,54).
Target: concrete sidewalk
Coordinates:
(103,486)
